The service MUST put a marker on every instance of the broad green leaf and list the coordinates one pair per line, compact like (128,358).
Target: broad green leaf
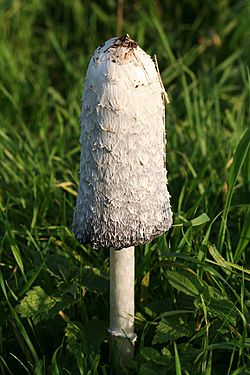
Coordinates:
(222,308)
(150,353)
(171,329)
(36,304)
(185,282)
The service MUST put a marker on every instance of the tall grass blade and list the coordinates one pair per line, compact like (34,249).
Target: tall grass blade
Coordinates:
(244,237)
(209,365)
(177,361)
(239,157)
(18,322)
(55,368)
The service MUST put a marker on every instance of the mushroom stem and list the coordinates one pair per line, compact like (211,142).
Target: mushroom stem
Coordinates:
(122,272)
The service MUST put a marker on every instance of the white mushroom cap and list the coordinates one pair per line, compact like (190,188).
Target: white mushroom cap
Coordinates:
(123,198)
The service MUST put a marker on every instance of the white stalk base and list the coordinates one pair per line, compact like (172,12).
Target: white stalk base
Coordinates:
(122,273)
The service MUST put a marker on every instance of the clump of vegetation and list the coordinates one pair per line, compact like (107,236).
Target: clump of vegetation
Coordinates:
(192,285)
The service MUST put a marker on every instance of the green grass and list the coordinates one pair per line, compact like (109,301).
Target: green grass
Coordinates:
(192,285)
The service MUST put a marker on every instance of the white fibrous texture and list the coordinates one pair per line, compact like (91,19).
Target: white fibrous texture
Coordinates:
(123,198)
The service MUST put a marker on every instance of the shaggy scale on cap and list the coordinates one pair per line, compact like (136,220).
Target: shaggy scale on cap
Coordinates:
(123,198)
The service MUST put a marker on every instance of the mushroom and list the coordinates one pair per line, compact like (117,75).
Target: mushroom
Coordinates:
(123,200)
